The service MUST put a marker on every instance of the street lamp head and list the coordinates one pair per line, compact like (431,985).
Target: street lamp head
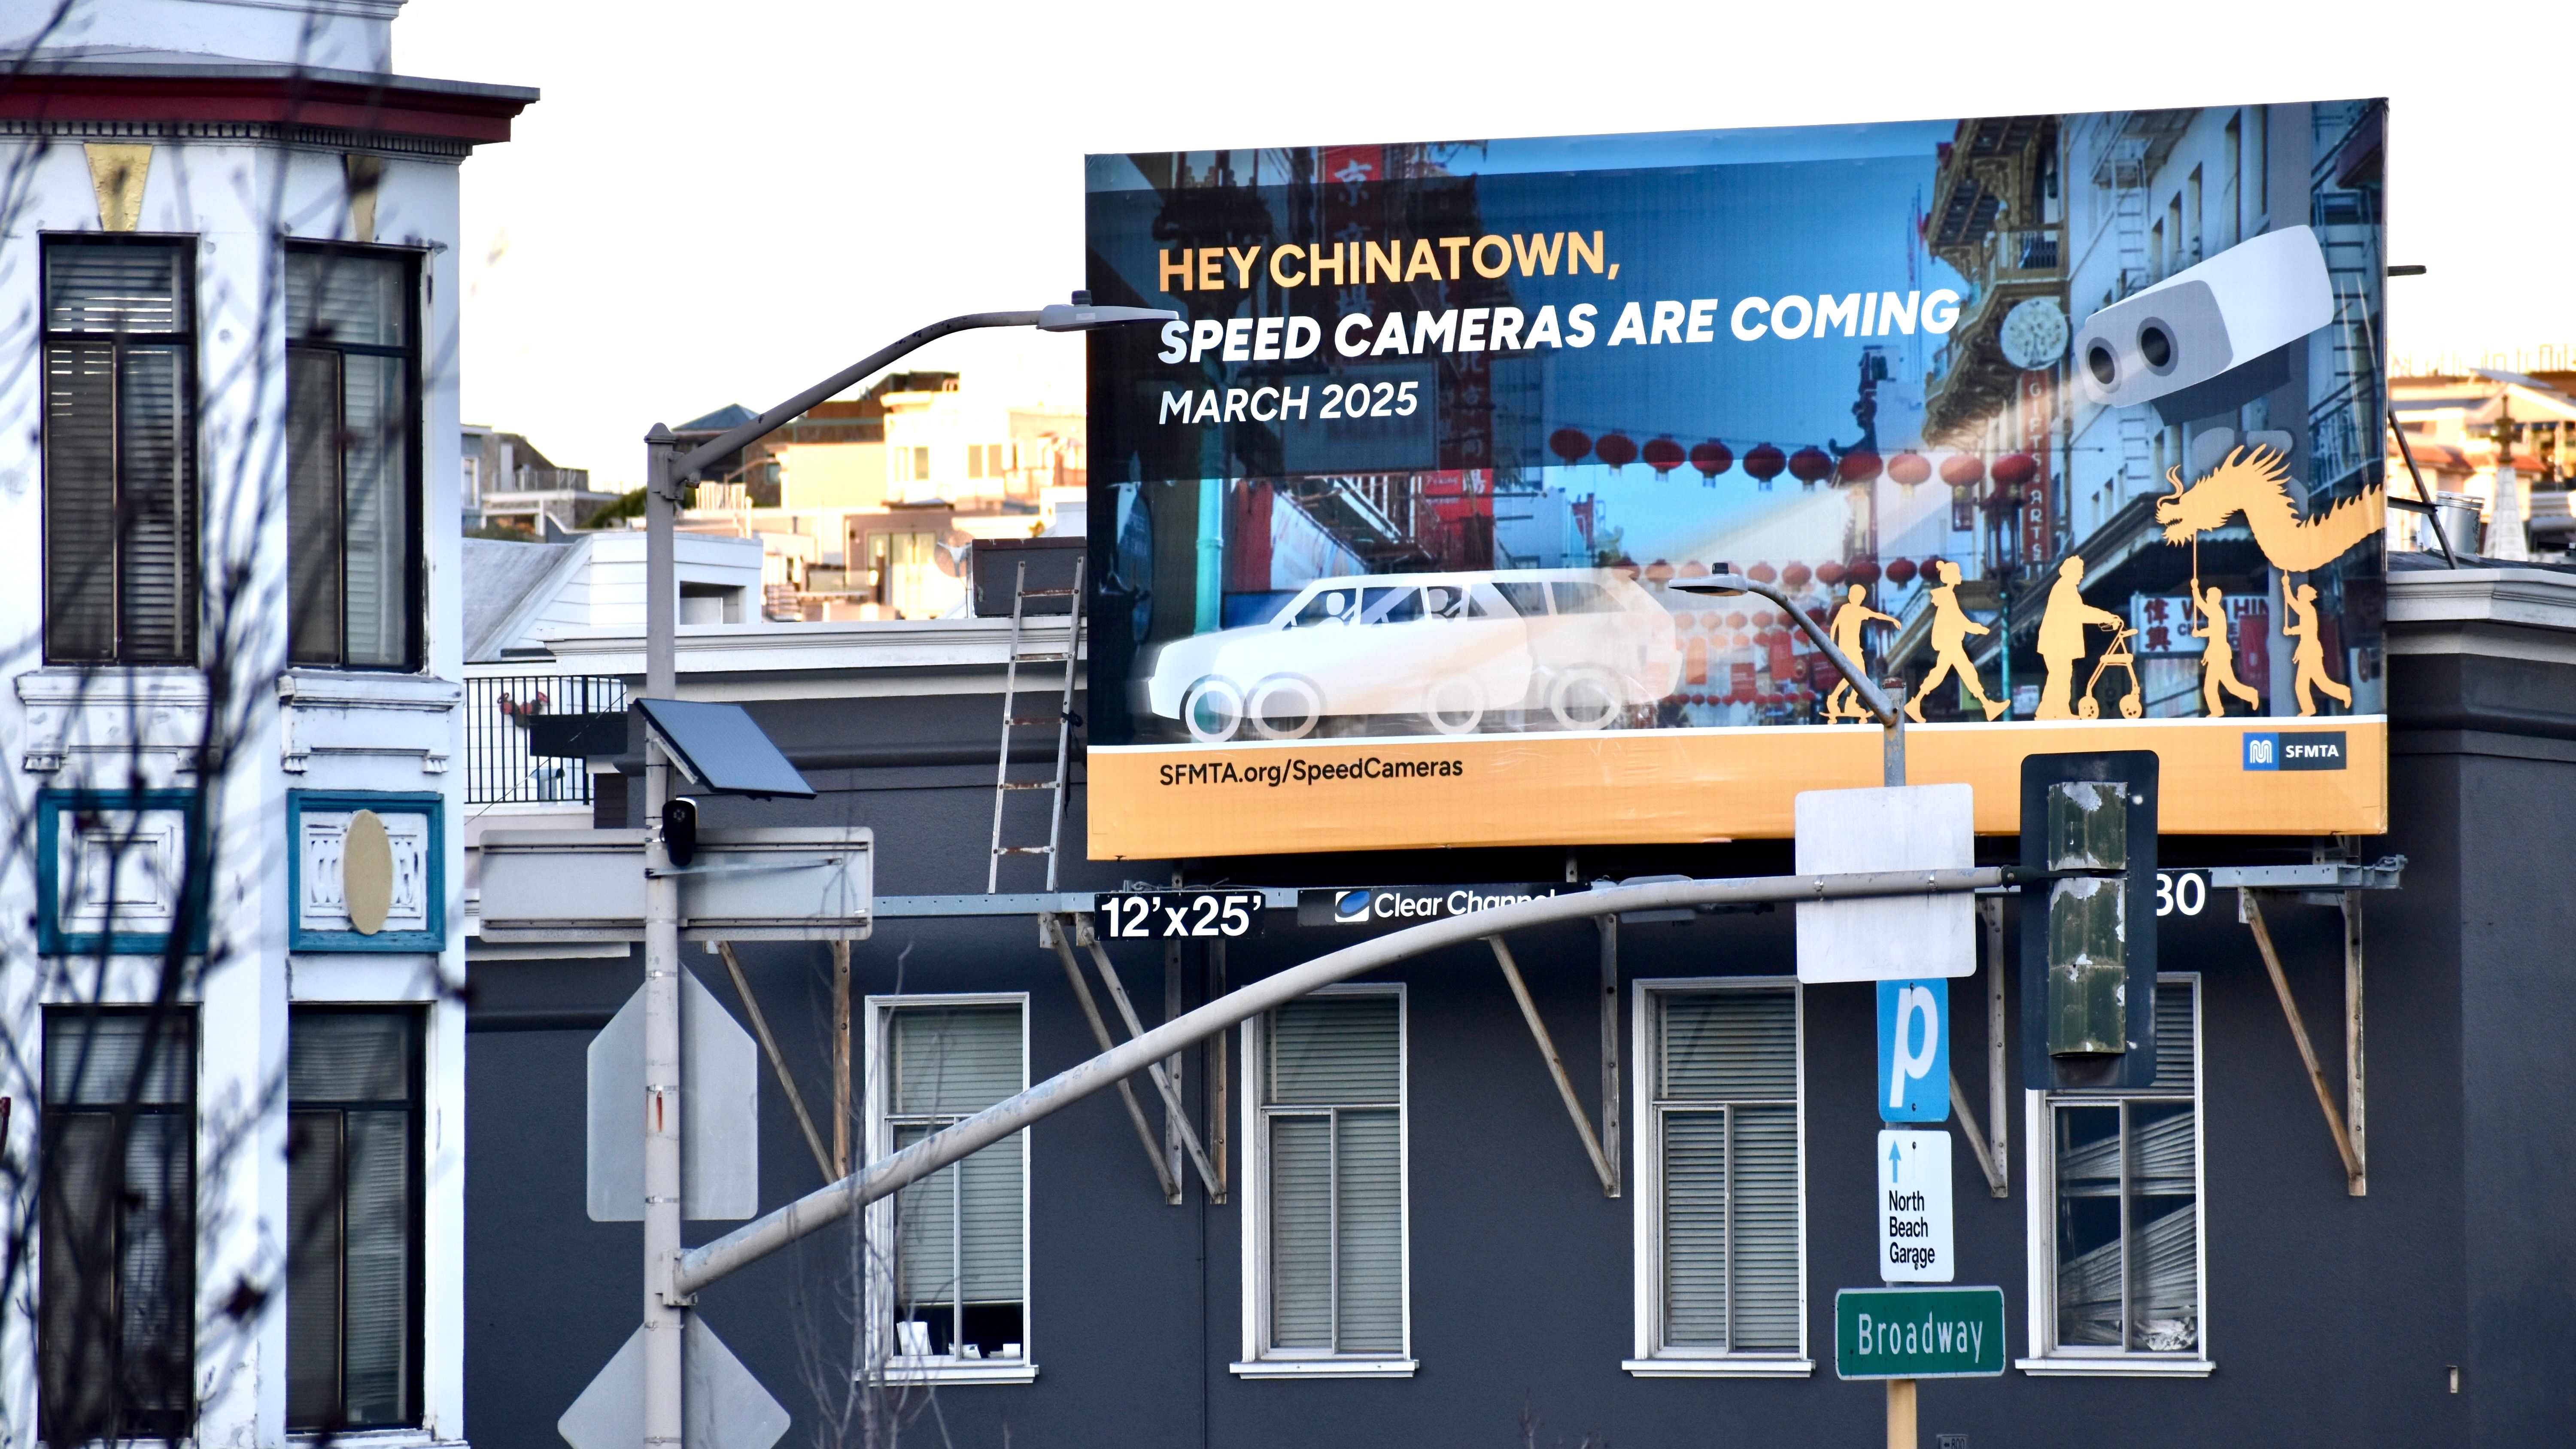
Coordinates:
(1712,584)
(1083,317)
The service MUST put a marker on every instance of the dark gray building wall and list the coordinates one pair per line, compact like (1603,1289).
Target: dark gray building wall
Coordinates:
(2332,1319)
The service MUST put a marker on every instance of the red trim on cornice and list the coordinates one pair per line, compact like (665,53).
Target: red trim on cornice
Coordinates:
(395,110)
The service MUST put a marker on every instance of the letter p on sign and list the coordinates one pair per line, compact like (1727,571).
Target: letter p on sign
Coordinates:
(1914,1051)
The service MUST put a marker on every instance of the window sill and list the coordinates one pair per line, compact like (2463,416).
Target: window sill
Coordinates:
(370,1438)
(960,1371)
(1326,1368)
(2116,1366)
(1746,1367)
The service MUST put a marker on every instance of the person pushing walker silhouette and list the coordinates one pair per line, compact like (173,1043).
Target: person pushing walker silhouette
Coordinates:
(2061,637)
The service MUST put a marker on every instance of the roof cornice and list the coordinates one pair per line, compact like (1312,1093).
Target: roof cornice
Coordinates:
(75,92)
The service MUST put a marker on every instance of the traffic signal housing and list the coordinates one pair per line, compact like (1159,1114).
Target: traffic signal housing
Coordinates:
(2088,919)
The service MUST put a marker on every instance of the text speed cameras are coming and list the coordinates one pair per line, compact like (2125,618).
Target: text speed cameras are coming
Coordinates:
(2249,300)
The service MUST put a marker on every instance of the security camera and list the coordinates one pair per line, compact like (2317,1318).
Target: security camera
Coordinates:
(2246,302)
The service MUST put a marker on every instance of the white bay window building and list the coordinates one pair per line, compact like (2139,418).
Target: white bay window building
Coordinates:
(231,639)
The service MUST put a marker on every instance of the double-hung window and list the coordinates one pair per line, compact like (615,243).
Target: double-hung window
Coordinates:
(120,451)
(1325,1251)
(1721,1217)
(353,1188)
(116,1290)
(353,457)
(2116,1229)
(948,1270)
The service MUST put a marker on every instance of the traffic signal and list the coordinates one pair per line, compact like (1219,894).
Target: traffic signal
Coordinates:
(2088,919)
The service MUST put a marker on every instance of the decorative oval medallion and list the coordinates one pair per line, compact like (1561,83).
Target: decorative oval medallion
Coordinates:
(367,872)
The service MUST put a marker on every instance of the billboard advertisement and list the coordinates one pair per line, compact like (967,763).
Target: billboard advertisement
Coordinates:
(2071,423)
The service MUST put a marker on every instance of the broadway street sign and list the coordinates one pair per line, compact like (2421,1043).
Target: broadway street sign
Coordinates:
(1918,1333)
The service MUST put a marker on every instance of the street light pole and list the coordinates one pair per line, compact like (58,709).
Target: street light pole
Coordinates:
(664,1320)
(666,471)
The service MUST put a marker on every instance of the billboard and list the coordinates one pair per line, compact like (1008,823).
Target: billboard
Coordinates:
(2070,422)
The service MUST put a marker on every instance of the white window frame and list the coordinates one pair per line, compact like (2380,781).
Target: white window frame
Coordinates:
(2047,1358)
(1260,1360)
(937,1369)
(1652,1359)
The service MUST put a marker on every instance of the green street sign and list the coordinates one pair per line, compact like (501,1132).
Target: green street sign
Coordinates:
(1918,1333)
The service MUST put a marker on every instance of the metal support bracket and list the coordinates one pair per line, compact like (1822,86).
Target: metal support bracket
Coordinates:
(2329,880)
(777,1061)
(2348,1144)
(1610,1087)
(1176,1114)
(1053,931)
(1555,1067)
(1993,1151)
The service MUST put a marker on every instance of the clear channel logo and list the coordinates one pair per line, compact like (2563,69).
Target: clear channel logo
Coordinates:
(1408,905)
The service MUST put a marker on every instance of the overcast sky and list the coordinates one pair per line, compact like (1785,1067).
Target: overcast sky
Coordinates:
(717,204)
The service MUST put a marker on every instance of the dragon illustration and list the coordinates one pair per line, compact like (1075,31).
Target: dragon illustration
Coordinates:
(2251,482)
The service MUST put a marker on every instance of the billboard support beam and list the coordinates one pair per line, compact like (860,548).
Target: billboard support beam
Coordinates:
(2357,1181)
(1058,933)
(1610,1123)
(1174,1112)
(2345,1143)
(778,1059)
(756,1240)
(1601,1165)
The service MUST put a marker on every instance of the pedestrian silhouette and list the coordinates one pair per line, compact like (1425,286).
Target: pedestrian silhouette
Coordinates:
(1951,630)
(1853,617)
(2218,657)
(2061,637)
(2310,656)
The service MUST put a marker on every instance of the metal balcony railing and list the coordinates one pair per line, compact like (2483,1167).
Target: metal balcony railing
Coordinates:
(500,713)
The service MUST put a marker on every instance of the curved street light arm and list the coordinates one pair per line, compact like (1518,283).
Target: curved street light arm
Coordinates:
(1889,713)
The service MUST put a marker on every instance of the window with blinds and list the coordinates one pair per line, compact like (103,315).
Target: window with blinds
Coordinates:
(353,1189)
(1329,1261)
(120,451)
(2125,1199)
(1722,1252)
(352,457)
(959,1238)
(116,1290)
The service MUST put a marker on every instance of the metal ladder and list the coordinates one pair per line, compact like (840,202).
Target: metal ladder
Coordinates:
(1003,784)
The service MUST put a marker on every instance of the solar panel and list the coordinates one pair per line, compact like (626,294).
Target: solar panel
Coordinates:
(720,748)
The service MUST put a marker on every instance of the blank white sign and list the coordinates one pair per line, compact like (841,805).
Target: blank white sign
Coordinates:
(1890,938)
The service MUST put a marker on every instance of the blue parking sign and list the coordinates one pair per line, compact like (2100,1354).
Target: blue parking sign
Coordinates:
(1914,1051)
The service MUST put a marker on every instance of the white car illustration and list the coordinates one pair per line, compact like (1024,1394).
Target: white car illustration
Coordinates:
(1448,648)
